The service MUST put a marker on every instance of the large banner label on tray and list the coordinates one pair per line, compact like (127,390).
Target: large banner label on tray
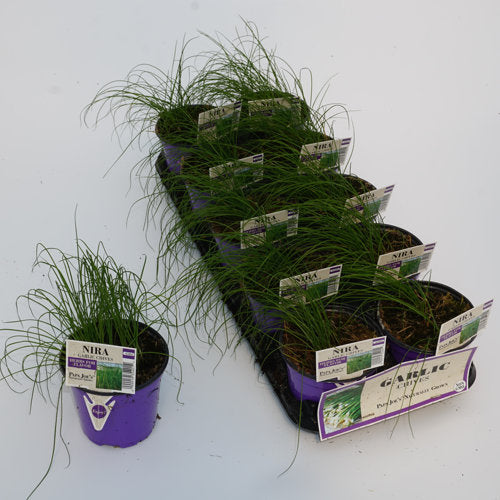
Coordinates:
(398,390)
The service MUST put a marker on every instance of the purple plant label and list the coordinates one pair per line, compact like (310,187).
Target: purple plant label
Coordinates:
(128,353)
(405,263)
(215,122)
(393,392)
(270,227)
(350,360)
(325,155)
(310,286)
(239,174)
(100,367)
(84,364)
(332,362)
(371,203)
(460,330)
(270,107)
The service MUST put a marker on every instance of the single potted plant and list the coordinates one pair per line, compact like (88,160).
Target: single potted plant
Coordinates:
(98,303)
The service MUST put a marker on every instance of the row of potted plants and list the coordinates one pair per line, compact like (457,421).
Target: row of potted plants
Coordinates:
(266,181)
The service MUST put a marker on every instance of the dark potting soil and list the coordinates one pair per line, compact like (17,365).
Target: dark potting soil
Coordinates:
(359,185)
(151,358)
(394,239)
(414,330)
(345,329)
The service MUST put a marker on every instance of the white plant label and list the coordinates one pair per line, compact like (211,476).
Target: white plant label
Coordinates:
(327,155)
(269,107)
(321,283)
(213,121)
(393,392)
(100,367)
(350,360)
(407,262)
(371,203)
(456,332)
(239,173)
(270,227)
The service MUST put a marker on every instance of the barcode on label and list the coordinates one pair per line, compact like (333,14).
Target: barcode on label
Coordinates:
(377,356)
(128,377)
(343,154)
(384,202)
(483,319)
(426,257)
(333,285)
(424,262)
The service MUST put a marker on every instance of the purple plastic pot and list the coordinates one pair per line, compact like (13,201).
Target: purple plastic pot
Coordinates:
(306,388)
(231,253)
(117,419)
(266,319)
(403,352)
(175,154)
(197,198)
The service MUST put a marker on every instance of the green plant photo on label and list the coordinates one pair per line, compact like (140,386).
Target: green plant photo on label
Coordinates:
(359,362)
(469,330)
(410,267)
(372,208)
(318,290)
(109,376)
(275,232)
(329,160)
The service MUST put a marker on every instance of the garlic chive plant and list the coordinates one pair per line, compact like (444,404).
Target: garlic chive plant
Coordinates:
(150,99)
(90,298)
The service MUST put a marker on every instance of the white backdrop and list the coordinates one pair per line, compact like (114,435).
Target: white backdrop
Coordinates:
(421,80)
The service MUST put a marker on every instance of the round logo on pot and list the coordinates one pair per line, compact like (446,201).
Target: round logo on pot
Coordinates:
(99,411)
